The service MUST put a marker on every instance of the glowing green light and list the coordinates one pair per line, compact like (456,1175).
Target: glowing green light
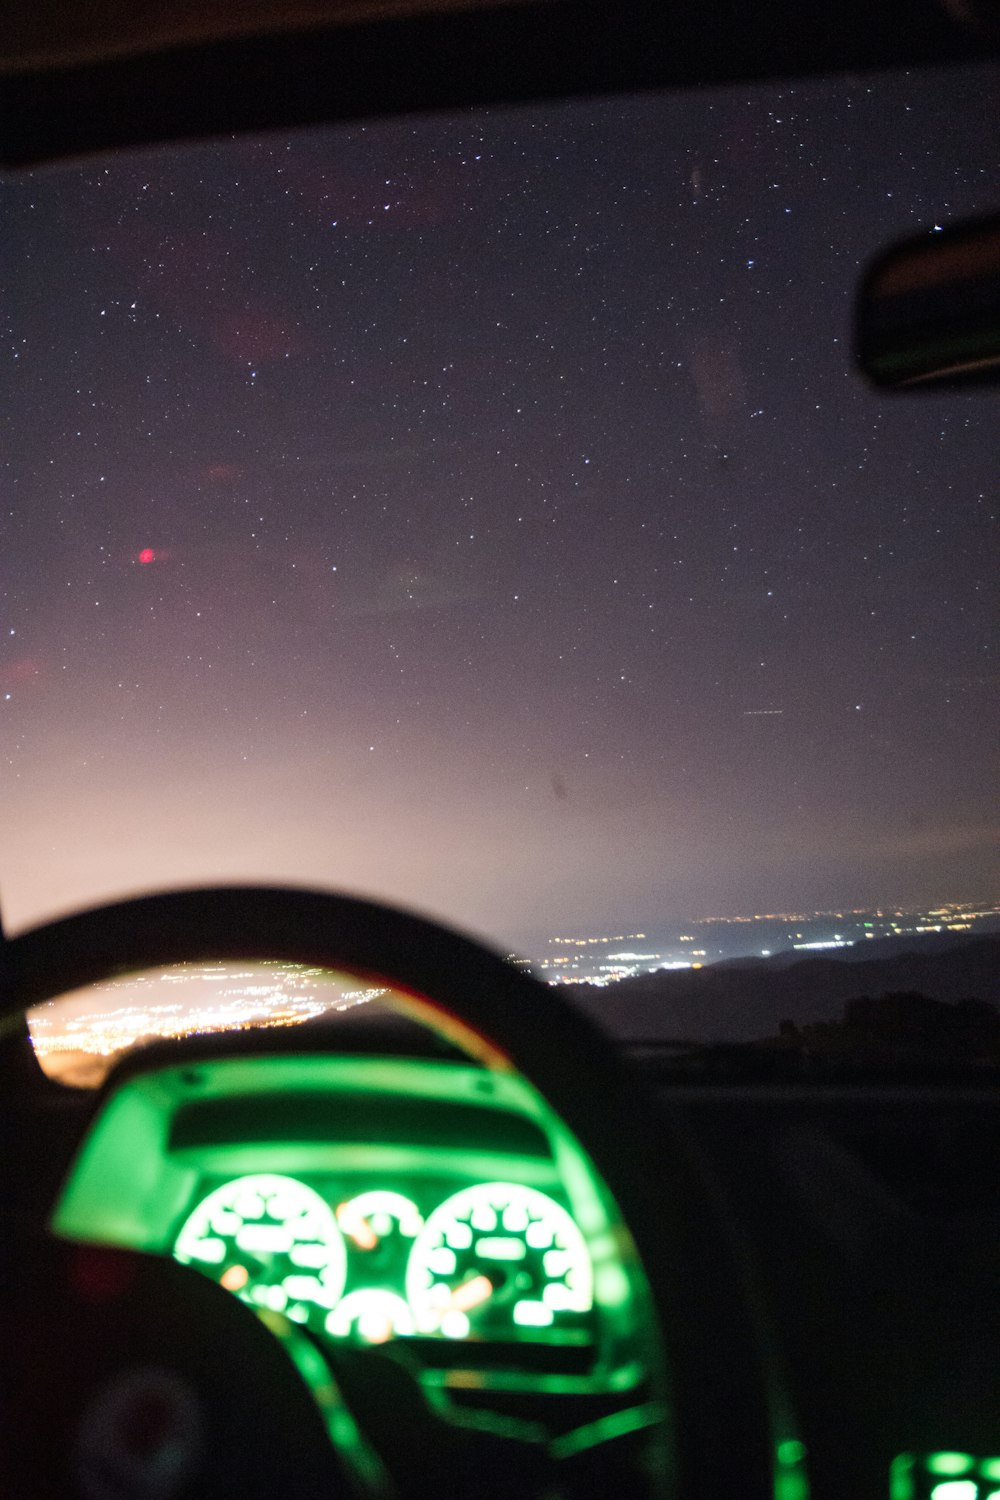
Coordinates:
(373,1314)
(499,1248)
(275,1238)
(955,1489)
(304,1288)
(210,1251)
(532,1314)
(790,1479)
(308,1255)
(153,1144)
(949,1463)
(901,1484)
(989,1468)
(275,1230)
(369,1217)
(558,1297)
(515,1218)
(791,1484)
(614,1425)
(612,1285)
(454,1268)
(455,1324)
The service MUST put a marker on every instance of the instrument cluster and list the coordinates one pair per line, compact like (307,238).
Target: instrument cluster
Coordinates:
(493,1263)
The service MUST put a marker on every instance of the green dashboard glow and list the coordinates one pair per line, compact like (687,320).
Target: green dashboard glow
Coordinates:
(271,1240)
(369,1198)
(496,1260)
(945,1475)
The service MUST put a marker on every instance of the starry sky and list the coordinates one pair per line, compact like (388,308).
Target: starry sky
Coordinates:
(481,512)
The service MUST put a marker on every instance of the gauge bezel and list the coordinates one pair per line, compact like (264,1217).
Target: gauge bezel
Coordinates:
(459,1209)
(267,1185)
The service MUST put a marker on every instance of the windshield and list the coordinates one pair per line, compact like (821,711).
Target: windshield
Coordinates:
(481,513)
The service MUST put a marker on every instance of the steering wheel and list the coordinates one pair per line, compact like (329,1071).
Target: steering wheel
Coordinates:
(497,1014)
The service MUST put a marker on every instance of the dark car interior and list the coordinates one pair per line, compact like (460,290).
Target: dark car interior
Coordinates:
(477,1248)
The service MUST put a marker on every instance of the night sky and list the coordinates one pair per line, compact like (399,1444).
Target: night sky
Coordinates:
(482,513)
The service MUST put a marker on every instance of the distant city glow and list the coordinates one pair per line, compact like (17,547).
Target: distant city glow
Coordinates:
(77,1033)
(503,533)
(78,1037)
(583,960)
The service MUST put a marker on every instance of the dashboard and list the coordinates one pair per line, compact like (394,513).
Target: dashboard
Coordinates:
(376,1201)
(439,1213)
(350,1256)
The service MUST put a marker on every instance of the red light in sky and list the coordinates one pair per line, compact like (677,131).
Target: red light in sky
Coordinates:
(147,555)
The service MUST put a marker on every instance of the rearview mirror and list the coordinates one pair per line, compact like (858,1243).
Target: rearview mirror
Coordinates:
(928,313)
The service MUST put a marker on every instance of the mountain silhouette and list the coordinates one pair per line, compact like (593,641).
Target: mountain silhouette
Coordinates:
(748,999)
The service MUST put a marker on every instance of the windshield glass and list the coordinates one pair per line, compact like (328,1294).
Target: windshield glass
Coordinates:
(481,513)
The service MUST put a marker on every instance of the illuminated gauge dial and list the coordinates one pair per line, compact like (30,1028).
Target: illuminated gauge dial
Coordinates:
(371,1314)
(499,1261)
(272,1241)
(381,1224)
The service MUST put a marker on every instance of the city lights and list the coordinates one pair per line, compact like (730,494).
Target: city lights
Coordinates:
(585,960)
(183,1001)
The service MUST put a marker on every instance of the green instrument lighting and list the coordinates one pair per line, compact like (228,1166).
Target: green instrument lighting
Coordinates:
(501,1249)
(612,1285)
(949,1463)
(339,1238)
(455,1324)
(537,1273)
(532,1314)
(271,1240)
(372,1314)
(615,1425)
(944,1475)
(791,1481)
(901,1482)
(373,1217)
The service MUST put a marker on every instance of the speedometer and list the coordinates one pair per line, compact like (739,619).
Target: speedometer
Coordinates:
(272,1241)
(499,1260)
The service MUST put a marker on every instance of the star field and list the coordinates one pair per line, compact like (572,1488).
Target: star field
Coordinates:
(483,513)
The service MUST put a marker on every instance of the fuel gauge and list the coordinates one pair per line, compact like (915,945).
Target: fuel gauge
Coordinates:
(381,1226)
(370,1315)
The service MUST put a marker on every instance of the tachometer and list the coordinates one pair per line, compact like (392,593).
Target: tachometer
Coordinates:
(499,1260)
(272,1241)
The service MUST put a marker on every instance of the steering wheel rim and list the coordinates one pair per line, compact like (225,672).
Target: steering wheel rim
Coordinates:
(493,1010)
(140,1398)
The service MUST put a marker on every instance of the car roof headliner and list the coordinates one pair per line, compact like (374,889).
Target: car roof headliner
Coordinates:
(117,73)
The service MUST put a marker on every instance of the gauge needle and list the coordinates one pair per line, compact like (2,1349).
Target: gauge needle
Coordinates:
(235,1279)
(471,1293)
(359,1230)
